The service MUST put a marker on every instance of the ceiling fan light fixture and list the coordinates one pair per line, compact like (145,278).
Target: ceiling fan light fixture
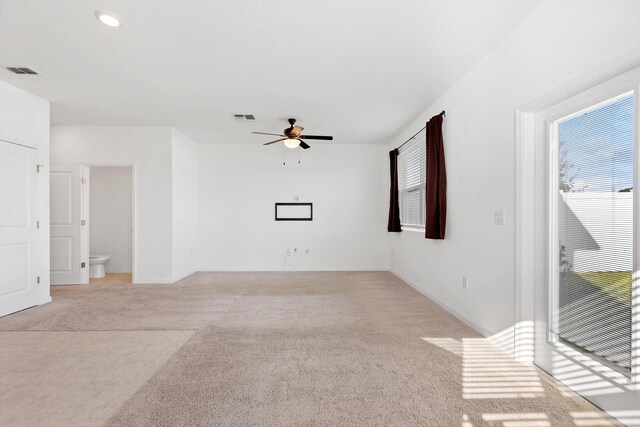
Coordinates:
(291,143)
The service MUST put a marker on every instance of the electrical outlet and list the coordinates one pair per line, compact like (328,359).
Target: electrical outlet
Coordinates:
(498,218)
(288,251)
(465,283)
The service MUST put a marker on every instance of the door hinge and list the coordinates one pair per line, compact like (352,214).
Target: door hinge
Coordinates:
(37,224)
(38,280)
(82,264)
(83,222)
(83,181)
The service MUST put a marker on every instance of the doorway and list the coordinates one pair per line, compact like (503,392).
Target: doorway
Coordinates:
(93,214)
(110,225)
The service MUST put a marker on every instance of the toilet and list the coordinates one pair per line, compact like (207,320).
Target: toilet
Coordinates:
(96,266)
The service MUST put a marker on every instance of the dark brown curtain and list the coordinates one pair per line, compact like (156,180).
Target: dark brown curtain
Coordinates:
(436,199)
(394,207)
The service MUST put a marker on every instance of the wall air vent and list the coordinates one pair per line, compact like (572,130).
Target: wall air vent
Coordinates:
(244,117)
(21,70)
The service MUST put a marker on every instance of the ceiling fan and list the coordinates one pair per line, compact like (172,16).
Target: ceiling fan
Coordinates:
(292,136)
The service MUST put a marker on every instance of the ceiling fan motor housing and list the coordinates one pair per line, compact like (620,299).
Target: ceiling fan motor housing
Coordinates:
(288,130)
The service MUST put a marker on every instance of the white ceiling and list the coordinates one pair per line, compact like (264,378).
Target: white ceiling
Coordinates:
(359,70)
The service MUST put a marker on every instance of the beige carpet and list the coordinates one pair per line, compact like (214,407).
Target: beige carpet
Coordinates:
(64,379)
(310,349)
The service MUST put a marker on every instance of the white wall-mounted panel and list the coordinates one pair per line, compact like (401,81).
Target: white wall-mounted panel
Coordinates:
(293,212)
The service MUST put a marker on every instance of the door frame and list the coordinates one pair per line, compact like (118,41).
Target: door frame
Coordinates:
(134,226)
(531,226)
(44,265)
(85,176)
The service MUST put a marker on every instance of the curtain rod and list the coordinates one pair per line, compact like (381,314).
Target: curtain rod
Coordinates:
(414,135)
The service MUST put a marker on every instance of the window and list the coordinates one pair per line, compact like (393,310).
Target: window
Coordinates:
(593,216)
(411,182)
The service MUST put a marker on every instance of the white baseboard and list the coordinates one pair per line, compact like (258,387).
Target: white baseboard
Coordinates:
(306,270)
(479,329)
(145,281)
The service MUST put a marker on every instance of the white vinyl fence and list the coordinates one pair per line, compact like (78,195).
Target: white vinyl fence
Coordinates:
(597,230)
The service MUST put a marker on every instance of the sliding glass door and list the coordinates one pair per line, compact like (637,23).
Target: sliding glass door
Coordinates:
(587,332)
(593,233)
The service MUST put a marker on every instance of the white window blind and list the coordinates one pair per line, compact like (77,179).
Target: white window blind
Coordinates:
(594,221)
(411,182)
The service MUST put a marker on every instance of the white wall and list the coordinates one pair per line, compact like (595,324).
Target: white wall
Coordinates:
(110,216)
(185,204)
(149,150)
(560,47)
(239,184)
(24,119)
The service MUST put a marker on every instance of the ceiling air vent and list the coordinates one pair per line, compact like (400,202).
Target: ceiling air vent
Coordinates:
(244,117)
(21,70)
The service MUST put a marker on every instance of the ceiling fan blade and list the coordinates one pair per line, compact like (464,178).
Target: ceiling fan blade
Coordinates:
(304,144)
(266,133)
(323,137)
(295,132)
(273,142)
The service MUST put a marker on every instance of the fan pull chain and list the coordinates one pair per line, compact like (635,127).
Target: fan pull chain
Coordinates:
(299,149)
(284,162)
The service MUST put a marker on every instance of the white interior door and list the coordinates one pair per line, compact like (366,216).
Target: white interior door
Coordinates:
(66,225)
(18,228)
(587,329)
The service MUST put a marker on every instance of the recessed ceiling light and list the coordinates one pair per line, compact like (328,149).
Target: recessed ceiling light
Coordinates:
(108,18)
